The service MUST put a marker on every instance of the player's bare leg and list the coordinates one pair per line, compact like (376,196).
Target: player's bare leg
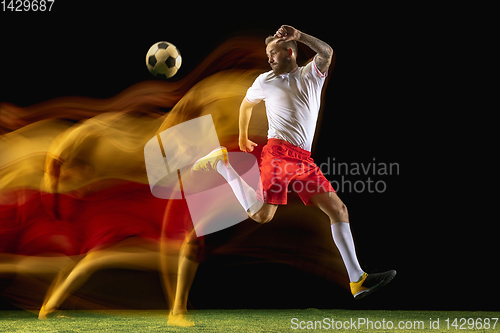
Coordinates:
(332,206)
(189,260)
(361,283)
(46,268)
(265,214)
(134,258)
(218,161)
(169,267)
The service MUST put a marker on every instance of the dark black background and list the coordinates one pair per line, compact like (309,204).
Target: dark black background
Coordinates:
(376,105)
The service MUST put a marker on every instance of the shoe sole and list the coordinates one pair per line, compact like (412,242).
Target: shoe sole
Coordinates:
(383,283)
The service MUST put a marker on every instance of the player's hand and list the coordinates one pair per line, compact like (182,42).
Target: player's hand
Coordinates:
(286,33)
(246,145)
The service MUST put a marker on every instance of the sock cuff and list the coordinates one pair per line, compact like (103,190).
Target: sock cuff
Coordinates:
(340,225)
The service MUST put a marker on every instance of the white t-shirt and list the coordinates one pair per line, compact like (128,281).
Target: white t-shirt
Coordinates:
(292,103)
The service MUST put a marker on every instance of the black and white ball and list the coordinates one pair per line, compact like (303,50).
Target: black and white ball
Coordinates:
(163,60)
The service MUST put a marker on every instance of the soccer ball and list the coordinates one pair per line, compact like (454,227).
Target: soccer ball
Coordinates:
(163,60)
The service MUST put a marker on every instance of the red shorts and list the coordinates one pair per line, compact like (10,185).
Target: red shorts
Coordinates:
(284,165)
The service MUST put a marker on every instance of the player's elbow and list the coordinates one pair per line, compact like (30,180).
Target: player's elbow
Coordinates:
(327,52)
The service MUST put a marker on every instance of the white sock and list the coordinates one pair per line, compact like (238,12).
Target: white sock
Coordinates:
(342,236)
(243,192)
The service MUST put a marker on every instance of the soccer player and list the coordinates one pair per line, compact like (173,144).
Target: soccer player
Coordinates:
(292,97)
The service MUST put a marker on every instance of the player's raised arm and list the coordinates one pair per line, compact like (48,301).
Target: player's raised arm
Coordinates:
(324,51)
(245,115)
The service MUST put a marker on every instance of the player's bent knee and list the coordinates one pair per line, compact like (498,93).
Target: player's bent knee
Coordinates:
(262,217)
(265,214)
(340,214)
(343,211)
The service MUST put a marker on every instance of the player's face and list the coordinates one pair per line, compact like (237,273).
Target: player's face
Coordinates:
(278,57)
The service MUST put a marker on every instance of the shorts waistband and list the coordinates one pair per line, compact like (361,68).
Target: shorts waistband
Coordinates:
(288,145)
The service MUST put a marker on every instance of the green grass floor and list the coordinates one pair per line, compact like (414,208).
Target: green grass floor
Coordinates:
(251,321)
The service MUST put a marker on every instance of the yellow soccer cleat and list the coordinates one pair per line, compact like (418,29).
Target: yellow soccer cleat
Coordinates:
(369,283)
(209,162)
